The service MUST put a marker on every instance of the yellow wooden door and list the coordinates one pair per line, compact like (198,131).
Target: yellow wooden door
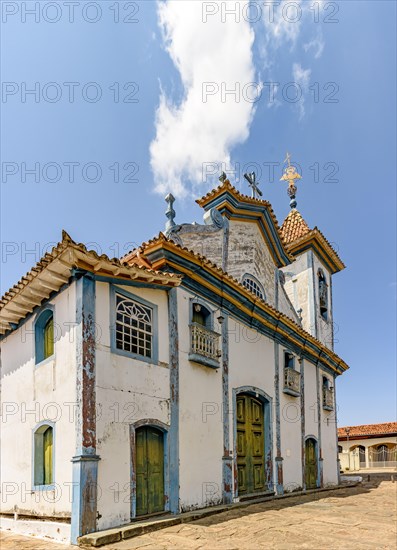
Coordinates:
(250,445)
(149,471)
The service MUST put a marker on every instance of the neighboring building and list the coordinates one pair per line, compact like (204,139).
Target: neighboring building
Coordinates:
(199,369)
(368,446)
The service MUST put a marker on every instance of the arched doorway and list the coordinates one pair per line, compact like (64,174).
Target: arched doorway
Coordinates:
(149,470)
(311,464)
(361,456)
(250,442)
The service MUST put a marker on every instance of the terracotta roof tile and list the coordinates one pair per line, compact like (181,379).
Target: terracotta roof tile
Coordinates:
(294,227)
(368,429)
(56,265)
(227,186)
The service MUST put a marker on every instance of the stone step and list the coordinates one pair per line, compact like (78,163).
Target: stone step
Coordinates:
(137,528)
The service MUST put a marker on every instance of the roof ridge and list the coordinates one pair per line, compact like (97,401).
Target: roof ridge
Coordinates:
(294,226)
(55,252)
(228,186)
(280,314)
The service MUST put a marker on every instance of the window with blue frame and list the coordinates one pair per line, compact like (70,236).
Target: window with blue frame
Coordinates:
(44,335)
(201,315)
(43,456)
(134,327)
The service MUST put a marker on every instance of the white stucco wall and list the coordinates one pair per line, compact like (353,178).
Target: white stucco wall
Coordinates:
(350,459)
(291,431)
(298,287)
(324,328)
(127,390)
(31,394)
(200,421)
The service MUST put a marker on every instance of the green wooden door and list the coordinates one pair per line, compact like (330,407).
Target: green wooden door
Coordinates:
(250,445)
(149,471)
(311,464)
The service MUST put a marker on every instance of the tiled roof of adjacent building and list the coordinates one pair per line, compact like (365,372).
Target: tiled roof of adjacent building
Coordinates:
(294,227)
(387,428)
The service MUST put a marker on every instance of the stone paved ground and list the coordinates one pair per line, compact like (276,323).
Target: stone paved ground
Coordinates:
(353,518)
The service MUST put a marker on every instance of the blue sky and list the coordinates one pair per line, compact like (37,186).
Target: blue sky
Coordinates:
(151,127)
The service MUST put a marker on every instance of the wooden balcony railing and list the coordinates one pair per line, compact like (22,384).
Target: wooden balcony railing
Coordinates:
(204,346)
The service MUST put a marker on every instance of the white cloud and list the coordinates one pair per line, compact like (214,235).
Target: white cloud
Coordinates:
(284,24)
(317,45)
(193,131)
(302,80)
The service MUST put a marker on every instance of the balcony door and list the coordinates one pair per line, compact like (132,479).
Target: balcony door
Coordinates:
(250,445)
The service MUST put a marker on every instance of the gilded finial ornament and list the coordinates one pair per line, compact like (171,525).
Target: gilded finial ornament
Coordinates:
(251,178)
(291,175)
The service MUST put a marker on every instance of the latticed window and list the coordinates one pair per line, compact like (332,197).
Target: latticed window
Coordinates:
(134,327)
(254,286)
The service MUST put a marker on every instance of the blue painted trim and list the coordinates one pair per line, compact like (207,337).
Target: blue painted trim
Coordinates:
(268,422)
(279,465)
(114,289)
(164,428)
(312,294)
(336,434)
(221,300)
(137,284)
(84,495)
(227,459)
(204,303)
(50,487)
(320,452)
(174,399)
(331,312)
(202,360)
(263,217)
(43,314)
(85,463)
(303,424)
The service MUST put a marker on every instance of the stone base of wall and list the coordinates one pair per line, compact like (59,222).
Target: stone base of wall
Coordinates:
(40,529)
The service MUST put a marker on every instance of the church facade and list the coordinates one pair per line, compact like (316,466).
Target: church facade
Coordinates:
(197,370)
